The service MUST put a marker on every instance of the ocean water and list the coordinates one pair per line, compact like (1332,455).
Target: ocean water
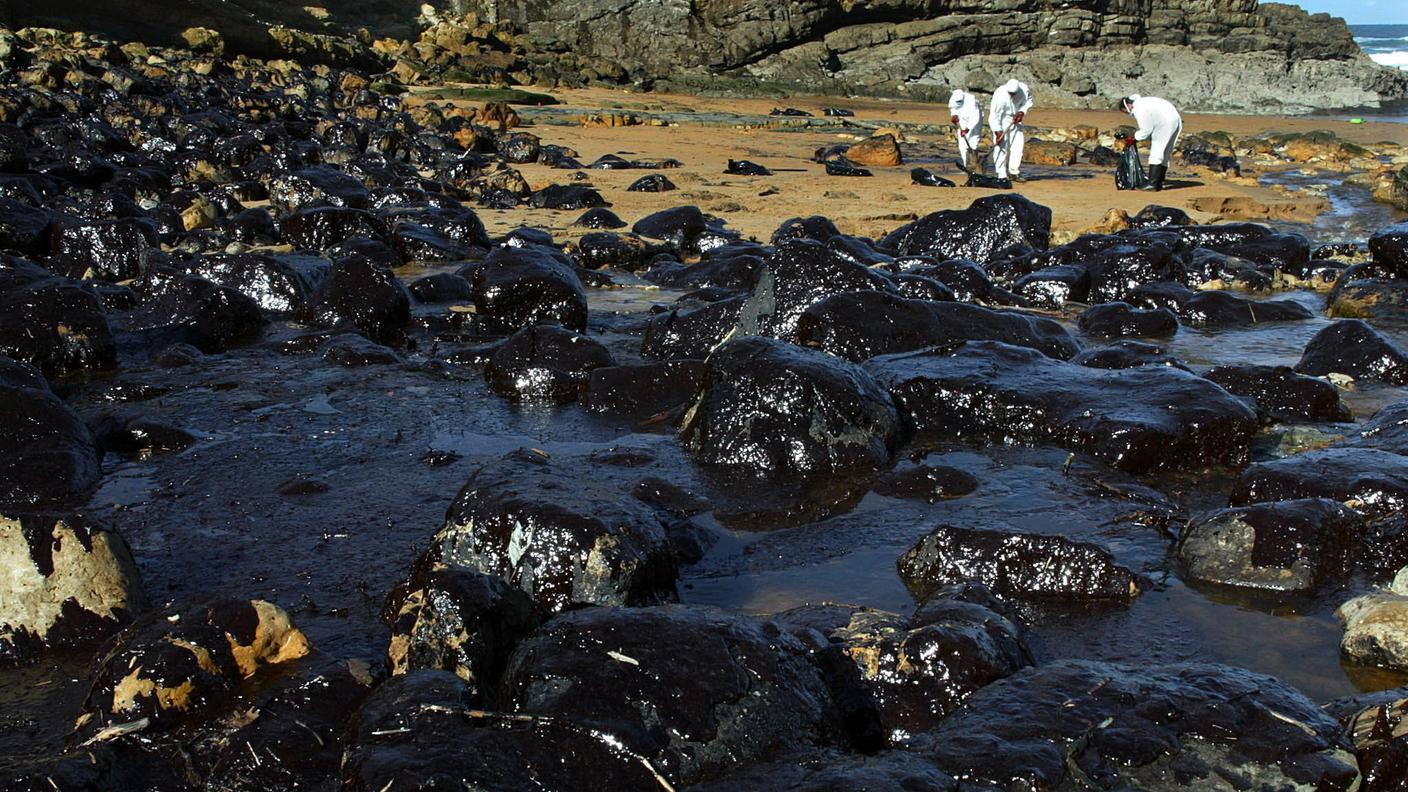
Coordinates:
(1387,44)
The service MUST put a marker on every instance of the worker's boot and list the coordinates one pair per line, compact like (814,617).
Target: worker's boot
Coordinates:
(1156,178)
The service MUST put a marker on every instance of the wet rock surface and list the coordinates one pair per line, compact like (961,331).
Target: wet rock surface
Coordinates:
(1280,394)
(1015,565)
(978,232)
(1376,626)
(47,455)
(564,542)
(1069,720)
(544,363)
(1140,419)
(768,409)
(694,690)
(1282,546)
(1353,348)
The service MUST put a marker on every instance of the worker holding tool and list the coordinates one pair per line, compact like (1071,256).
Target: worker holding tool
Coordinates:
(966,114)
(1010,103)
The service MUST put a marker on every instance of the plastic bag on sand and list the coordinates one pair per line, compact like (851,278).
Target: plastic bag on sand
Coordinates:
(1129,174)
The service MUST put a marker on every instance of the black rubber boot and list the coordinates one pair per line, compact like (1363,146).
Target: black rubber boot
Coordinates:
(1156,177)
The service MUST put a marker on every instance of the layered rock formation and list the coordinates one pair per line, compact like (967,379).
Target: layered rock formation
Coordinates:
(1229,55)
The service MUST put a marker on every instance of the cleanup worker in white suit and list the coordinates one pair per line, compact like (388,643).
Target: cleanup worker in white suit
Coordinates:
(1010,103)
(967,116)
(1160,124)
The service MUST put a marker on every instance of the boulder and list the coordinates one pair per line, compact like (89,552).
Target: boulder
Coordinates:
(641,391)
(521,286)
(694,690)
(770,409)
(1127,354)
(1122,319)
(544,363)
(881,151)
(1280,394)
(817,228)
(1376,626)
(53,323)
(907,674)
(1026,566)
(419,729)
(460,621)
(599,218)
(47,455)
(184,662)
(1115,272)
(1138,420)
(1369,480)
(863,324)
(360,292)
(799,274)
(280,284)
(1352,347)
(691,334)
(1070,720)
(110,250)
(564,540)
(190,309)
(1389,247)
(319,228)
(979,232)
(69,582)
(564,197)
(321,185)
(684,228)
(1284,546)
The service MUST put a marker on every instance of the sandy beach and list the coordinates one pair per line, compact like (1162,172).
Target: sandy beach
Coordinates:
(1080,196)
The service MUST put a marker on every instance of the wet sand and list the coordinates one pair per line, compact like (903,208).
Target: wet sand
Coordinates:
(1080,196)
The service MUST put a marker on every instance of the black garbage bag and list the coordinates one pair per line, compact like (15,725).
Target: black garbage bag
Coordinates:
(1129,174)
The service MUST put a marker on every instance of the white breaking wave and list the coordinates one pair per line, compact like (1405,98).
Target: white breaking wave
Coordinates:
(1399,59)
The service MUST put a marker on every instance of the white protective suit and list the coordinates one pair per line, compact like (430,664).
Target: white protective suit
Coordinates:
(1007,101)
(1159,123)
(970,122)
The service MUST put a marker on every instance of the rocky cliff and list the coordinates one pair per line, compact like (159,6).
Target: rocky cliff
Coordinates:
(1227,55)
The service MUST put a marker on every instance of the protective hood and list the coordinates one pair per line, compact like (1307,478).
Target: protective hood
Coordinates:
(1012,85)
(956,98)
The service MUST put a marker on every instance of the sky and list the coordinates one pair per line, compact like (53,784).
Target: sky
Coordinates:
(1361,12)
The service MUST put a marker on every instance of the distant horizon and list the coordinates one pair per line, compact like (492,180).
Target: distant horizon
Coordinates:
(1358,12)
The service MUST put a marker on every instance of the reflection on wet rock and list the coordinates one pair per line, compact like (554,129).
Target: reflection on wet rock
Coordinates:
(544,363)
(1280,394)
(47,455)
(1284,546)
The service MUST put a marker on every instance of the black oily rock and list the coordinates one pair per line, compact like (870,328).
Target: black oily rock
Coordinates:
(927,178)
(1286,546)
(654,183)
(527,236)
(908,673)
(684,228)
(918,287)
(1285,252)
(1027,566)
(1280,394)
(643,390)
(1353,348)
(141,435)
(1138,420)
(464,622)
(1155,216)
(188,661)
(251,227)
(70,582)
(768,408)
(694,690)
(53,323)
(746,168)
(544,363)
(1216,237)
(1127,354)
(526,286)
(1368,480)
(734,271)
(519,147)
(599,218)
(1380,736)
(987,226)
(567,196)
(1216,309)
(192,310)
(48,457)
(815,227)
(1122,319)
(319,228)
(836,771)
(690,334)
(1389,247)
(564,539)
(1053,287)
(442,287)
(321,185)
(1195,726)
(111,250)
(420,731)
(968,280)
(1115,272)
(416,243)
(24,229)
(355,351)
(799,274)
(859,325)
(930,483)
(1387,430)
(608,249)
(280,284)
(363,294)
(844,167)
